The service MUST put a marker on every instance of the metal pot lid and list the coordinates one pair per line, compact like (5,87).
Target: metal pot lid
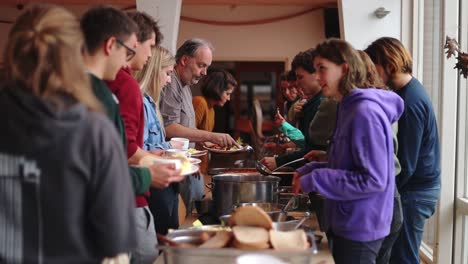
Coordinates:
(239,177)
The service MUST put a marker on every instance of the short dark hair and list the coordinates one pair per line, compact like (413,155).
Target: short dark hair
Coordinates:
(102,22)
(288,76)
(146,26)
(215,83)
(304,60)
(190,47)
(291,76)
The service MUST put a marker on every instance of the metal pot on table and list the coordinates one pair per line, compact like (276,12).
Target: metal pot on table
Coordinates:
(233,189)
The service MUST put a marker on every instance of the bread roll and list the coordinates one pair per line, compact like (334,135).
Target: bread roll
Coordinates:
(250,237)
(220,240)
(237,244)
(251,216)
(290,240)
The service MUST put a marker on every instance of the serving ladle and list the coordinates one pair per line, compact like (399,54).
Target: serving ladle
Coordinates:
(266,171)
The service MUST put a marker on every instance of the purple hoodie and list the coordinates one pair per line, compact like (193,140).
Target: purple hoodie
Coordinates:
(358,180)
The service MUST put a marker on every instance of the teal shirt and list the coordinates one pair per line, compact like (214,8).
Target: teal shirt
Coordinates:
(294,134)
(141,177)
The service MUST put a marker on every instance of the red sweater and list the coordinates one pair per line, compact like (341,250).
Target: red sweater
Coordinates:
(127,90)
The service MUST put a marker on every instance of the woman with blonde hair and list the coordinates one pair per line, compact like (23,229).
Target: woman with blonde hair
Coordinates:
(152,78)
(156,74)
(59,157)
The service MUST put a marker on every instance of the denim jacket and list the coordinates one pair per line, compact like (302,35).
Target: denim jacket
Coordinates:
(154,136)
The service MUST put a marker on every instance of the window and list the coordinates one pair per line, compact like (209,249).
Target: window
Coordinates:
(431,81)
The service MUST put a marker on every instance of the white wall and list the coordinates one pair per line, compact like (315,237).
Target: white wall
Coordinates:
(360,26)
(278,41)
(167,13)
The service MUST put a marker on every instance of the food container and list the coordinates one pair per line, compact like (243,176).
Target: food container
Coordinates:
(285,174)
(233,189)
(178,255)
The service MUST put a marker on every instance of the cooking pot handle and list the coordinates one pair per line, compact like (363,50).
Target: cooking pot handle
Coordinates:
(279,191)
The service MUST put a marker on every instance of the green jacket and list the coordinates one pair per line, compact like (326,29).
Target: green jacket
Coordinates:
(141,177)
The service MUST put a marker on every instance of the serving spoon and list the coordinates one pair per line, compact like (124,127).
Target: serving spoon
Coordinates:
(266,171)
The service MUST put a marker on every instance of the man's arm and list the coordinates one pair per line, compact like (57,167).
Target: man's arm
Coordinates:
(137,155)
(141,179)
(177,130)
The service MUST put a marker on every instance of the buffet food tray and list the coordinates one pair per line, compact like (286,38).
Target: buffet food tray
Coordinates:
(179,255)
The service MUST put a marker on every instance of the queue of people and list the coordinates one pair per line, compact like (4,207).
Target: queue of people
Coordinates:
(87,99)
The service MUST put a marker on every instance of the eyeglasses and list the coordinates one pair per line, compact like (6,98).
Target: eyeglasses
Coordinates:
(130,52)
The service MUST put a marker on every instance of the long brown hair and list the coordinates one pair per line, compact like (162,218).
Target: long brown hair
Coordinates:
(391,55)
(148,77)
(373,79)
(44,52)
(341,52)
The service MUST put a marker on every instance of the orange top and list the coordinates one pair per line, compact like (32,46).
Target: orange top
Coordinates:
(204,114)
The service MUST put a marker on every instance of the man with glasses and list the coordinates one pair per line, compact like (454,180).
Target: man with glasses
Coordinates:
(111,42)
(130,52)
(128,93)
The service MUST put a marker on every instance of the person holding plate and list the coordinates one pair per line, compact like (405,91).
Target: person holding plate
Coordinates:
(163,203)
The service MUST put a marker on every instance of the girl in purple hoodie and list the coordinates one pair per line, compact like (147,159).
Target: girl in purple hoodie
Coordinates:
(358,178)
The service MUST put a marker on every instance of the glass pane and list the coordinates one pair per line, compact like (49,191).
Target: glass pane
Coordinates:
(465,172)
(465,240)
(429,232)
(431,62)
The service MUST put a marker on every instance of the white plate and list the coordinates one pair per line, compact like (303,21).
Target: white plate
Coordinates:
(225,151)
(193,169)
(194,161)
(198,153)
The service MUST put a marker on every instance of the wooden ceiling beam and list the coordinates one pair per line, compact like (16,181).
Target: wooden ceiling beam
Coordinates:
(69,2)
(262,2)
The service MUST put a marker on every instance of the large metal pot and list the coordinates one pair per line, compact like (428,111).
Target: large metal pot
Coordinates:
(232,189)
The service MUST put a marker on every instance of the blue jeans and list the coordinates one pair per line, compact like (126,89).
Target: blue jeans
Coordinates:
(164,204)
(191,189)
(417,207)
(347,251)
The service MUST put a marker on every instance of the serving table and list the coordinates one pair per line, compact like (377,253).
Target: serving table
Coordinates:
(226,256)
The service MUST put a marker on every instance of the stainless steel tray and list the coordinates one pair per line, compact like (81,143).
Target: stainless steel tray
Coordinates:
(248,171)
(177,255)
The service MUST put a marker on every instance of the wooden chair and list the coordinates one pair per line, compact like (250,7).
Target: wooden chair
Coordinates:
(258,123)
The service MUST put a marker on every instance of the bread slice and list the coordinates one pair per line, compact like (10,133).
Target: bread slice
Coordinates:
(220,240)
(237,244)
(290,240)
(148,160)
(180,162)
(250,216)
(250,237)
